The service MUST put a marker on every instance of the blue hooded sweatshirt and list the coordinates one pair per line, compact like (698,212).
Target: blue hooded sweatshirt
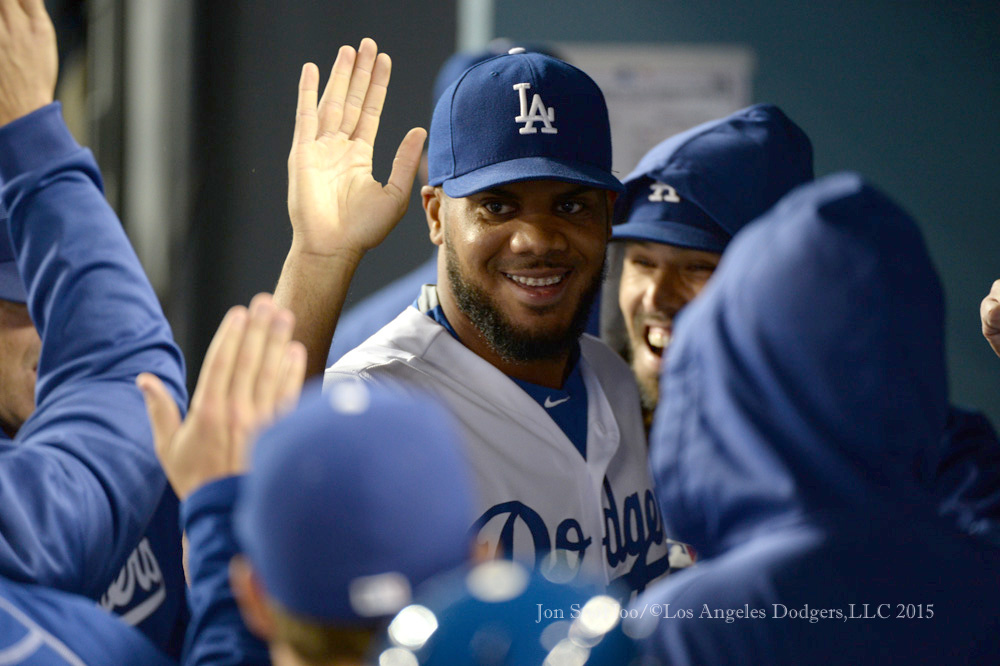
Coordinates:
(803,398)
(965,472)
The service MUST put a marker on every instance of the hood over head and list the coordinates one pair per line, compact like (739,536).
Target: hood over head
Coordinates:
(808,379)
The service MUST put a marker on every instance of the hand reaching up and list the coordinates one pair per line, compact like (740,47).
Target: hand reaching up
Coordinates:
(335,204)
(989,311)
(29,61)
(252,372)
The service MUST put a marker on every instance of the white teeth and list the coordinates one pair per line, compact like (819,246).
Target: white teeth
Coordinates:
(536,282)
(658,338)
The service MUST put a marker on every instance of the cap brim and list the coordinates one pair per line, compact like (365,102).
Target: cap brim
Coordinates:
(530,168)
(671,233)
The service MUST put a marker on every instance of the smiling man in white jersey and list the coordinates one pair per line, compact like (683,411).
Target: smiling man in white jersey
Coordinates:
(519,203)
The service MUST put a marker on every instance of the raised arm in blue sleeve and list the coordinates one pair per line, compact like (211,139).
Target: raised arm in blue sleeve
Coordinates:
(216,634)
(80,481)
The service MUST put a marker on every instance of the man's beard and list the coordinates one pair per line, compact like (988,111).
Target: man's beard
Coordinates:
(511,342)
(649,391)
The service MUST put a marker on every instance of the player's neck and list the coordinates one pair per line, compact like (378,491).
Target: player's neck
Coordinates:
(550,373)
(545,372)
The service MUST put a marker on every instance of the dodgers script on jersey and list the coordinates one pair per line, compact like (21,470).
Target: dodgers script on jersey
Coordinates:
(537,493)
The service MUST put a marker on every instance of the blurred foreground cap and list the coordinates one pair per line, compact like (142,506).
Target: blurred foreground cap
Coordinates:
(352,499)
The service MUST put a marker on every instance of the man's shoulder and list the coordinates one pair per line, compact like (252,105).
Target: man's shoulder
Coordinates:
(414,337)
(397,351)
(369,316)
(405,338)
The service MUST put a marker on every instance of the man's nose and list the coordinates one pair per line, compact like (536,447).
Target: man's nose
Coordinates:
(539,235)
(668,292)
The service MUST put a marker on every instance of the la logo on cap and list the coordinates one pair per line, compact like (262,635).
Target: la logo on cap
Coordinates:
(662,192)
(538,113)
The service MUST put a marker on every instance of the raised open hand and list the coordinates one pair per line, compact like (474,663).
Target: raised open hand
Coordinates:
(989,312)
(252,371)
(335,204)
(28,58)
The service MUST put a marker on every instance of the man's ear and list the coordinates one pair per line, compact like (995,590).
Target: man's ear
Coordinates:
(251,598)
(481,553)
(433,200)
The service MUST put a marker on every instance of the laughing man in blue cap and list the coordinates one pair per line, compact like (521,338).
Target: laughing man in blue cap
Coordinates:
(682,204)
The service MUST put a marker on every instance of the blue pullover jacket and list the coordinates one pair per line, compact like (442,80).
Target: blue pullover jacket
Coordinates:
(80,482)
(804,400)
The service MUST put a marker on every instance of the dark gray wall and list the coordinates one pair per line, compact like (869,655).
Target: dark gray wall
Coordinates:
(247,63)
(905,92)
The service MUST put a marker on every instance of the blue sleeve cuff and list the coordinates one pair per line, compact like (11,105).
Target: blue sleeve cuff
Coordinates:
(212,498)
(33,141)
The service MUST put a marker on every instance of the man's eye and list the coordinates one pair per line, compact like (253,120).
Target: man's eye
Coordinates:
(641,261)
(497,207)
(570,207)
(701,268)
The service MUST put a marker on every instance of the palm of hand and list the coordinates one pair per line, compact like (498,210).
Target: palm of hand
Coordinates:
(338,204)
(335,204)
(29,61)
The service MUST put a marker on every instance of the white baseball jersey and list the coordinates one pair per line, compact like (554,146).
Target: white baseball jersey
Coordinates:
(537,492)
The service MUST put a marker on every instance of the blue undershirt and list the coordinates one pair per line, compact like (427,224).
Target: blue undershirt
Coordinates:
(567,406)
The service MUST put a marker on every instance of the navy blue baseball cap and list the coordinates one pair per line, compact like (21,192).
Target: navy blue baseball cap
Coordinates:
(698,188)
(460,61)
(355,497)
(517,117)
(11,285)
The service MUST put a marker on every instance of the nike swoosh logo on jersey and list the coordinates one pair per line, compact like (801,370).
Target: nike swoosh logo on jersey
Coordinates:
(550,403)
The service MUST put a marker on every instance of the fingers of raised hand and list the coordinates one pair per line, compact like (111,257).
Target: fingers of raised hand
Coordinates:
(371,111)
(266,367)
(306,118)
(272,366)
(361,78)
(33,8)
(243,380)
(347,92)
(11,11)
(989,310)
(405,165)
(28,58)
(291,377)
(182,462)
(331,105)
(279,387)
(22,15)
(250,359)
(217,366)
(164,416)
